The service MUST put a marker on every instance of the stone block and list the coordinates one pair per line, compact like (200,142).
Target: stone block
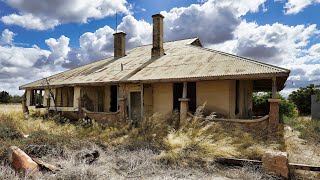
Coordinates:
(276,162)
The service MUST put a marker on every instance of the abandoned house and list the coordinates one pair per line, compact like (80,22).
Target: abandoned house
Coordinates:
(159,78)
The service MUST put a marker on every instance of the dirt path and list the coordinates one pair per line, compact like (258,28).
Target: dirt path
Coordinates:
(302,152)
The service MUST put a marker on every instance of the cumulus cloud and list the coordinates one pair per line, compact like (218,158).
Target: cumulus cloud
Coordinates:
(277,43)
(59,49)
(139,32)
(47,14)
(17,66)
(296,6)
(214,21)
(7,37)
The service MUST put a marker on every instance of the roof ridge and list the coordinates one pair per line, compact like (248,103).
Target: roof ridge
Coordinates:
(241,58)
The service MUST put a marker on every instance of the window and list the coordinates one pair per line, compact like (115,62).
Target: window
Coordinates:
(64,97)
(36,98)
(191,94)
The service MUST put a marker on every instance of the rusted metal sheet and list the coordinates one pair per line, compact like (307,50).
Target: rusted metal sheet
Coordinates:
(182,61)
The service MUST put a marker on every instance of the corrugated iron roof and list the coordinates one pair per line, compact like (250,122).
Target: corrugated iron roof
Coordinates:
(182,61)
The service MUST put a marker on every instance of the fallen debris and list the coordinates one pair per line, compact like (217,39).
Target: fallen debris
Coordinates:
(46,166)
(21,162)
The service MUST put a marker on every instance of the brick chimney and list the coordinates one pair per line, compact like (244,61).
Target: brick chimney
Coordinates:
(157,49)
(119,44)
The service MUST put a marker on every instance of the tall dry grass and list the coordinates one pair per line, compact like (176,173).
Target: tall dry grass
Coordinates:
(154,148)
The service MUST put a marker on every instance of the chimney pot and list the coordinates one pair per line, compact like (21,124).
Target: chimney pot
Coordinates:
(157,48)
(119,44)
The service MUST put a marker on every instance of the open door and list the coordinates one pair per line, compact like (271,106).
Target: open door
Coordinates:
(135,106)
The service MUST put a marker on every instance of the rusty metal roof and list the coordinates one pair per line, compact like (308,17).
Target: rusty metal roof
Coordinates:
(182,60)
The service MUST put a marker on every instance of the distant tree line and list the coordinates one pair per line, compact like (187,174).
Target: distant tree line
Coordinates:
(5,98)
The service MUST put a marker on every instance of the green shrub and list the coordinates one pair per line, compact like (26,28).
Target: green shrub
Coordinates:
(261,106)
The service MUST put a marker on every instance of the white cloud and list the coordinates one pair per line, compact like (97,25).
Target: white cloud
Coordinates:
(296,6)
(59,49)
(30,21)
(277,43)
(214,21)
(47,14)
(139,32)
(7,37)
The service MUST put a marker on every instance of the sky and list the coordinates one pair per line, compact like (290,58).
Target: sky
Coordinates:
(41,38)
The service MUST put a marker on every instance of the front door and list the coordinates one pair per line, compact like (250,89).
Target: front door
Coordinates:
(135,106)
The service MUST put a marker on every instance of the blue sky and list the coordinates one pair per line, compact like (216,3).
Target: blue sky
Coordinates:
(40,38)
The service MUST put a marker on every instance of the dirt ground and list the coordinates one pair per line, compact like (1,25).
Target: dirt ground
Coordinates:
(302,152)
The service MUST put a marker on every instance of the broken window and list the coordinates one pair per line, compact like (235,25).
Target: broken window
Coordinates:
(64,97)
(36,98)
(191,94)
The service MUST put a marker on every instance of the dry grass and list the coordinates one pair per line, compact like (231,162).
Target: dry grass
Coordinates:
(138,164)
(155,149)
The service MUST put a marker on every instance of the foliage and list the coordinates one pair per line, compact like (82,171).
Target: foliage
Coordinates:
(262,106)
(5,97)
(302,98)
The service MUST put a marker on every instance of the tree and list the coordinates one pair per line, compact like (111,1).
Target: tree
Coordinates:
(261,105)
(4,97)
(302,98)
(15,99)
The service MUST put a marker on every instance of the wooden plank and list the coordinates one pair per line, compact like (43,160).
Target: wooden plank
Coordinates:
(241,162)
(238,162)
(304,167)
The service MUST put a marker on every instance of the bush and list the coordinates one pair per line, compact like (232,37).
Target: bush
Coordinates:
(261,106)
(302,98)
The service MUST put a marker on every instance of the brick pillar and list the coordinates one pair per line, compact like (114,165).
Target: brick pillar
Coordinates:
(274,115)
(123,109)
(184,108)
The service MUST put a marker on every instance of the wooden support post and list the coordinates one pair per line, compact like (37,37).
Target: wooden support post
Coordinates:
(184,104)
(123,109)
(274,88)
(185,89)
(24,103)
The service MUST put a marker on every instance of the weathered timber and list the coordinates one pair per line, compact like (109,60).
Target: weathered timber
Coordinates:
(241,162)
(304,167)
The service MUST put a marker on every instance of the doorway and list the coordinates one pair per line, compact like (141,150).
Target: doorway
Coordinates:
(135,106)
